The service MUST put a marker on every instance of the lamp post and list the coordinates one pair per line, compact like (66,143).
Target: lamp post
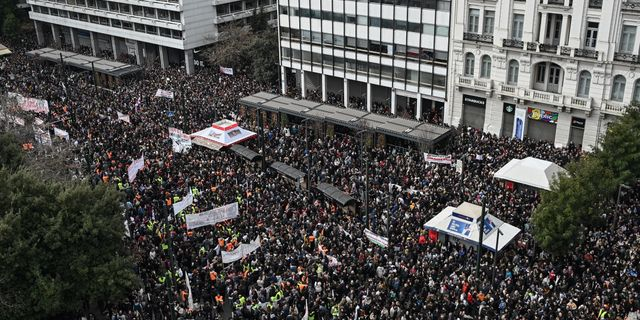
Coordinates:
(495,255)
(481,236)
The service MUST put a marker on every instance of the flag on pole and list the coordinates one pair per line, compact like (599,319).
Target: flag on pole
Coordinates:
(190,298)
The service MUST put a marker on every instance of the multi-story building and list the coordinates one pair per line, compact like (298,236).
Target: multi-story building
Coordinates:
(390,52)
(168,30)
(559,70)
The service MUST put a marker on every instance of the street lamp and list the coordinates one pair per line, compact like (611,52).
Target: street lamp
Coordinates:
(495,255)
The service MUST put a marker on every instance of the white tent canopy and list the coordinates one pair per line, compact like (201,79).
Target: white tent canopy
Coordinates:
(530,171)
(463,223)
(221,134)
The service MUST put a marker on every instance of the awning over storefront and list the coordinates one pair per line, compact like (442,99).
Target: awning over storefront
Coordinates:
(104,66)
(336,194)
(406,129)
(246,152)
(288,171)
(463,223)
(4,50)
(530,171)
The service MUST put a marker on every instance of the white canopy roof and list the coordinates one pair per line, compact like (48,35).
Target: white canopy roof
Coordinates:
(458,224)
(530,171)
(221,134)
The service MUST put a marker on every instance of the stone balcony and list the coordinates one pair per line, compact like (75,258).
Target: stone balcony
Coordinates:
(556,99)
(613,108)
(475,84)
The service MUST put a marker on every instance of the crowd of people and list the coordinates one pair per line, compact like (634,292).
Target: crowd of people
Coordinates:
(314,260)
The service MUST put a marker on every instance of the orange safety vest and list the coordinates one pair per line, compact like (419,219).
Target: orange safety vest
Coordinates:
(229,246)
(219,299)
(221,242)
(213,275)
(168,201)
(183,293)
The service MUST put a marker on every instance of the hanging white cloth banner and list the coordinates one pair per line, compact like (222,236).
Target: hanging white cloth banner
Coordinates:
(181,205)
(213,216)
(133,169)
(243,250)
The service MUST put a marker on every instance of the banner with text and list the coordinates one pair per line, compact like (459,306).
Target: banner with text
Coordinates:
(519,121)
(213,216)
(133,169)
(228,71)
(164,94)
(243,250)
(377,239)
(437,158)
(61,133)
(181,142)
(30,104)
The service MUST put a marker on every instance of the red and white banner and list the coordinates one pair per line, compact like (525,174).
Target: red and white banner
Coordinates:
(133,169)
(164,94)
(181,141)
(437,158)
(123,117)
(30,104)
(228,71)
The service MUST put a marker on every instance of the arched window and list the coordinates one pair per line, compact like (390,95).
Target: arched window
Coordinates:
(584,83)
(514,70)
(636,91)
(469,62)
(485,68)
(617,89)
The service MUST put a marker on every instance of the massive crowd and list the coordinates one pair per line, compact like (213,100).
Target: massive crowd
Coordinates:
(414,278)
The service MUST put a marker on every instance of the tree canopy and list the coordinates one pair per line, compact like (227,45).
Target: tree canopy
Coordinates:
(62,244)
(577,201)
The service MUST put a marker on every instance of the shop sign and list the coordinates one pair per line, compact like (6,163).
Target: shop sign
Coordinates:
(474,101)
(542,115)
(509,108)
(577,122)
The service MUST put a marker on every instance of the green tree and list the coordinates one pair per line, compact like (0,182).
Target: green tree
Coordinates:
(577,201)
(265,65)
(62,248)
(11,154)
(10,25)
(259,22)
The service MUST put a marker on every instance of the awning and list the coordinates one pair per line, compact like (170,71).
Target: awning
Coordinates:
(246,152)
(463,223)
(336,194)
(104,66)
(530,171)
(288,171)
(4,50)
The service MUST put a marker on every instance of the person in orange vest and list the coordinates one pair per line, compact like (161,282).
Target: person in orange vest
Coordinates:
(213,275)
(219,299)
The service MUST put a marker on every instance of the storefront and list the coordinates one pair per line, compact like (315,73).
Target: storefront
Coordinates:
(576,133)
(541,124)
(473,111)
(508,111)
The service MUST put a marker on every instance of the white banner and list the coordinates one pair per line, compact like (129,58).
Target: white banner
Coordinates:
(164,94)
(228,71)
(379,240)
(181,205)
(459,166)
(30,104)
(61,133)
(190,297)
(519,120)
(213,216)
(133,169)
(123,117)
(243,250)
(181,142)
(437,158)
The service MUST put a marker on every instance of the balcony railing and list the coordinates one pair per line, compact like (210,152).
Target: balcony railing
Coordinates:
(550,48)
(626,57)
(532,46)
(631,5)
(488,38)
(473,83)
(560,100)
(513,43)
(613,108)
(595,4)
(586,53)
(565,51)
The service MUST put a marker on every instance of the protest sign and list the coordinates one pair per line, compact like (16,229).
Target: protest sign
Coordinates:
(213,216)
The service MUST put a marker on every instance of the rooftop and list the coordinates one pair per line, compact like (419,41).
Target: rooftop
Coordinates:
(110,67)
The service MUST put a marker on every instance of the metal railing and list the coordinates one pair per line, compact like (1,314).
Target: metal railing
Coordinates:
(488,38)
(631,5)
(513,43)
(532,46)
(626,57)
(595,4)
(551,48)
(586,53)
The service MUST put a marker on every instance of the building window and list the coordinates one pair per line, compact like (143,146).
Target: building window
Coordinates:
(516,27)
(469,62)
(627,39)
(514,70)
(489,18)
(592,35)
(584,83)
(485,69)
(541,73)
(474,20)
(617,89)
(636,91)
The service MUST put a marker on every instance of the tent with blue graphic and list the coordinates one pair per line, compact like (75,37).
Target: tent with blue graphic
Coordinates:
(463,222)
